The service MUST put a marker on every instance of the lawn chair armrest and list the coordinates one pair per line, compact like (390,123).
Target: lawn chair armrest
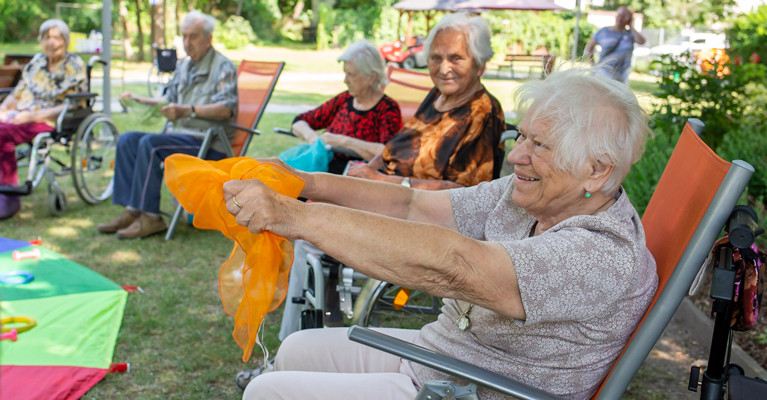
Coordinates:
(220,122)
(448,365)
(73,97)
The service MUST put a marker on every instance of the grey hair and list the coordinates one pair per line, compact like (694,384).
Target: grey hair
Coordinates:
(208,22)
(54,23)
(366,57)
(475,30)
(590,119)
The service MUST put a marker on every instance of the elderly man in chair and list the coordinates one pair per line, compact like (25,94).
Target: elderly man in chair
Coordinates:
(203,86)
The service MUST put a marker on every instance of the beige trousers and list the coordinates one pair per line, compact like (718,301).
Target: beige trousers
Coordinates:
(324,364)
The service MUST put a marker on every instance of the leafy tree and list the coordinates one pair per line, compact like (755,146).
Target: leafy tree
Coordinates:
(747,34)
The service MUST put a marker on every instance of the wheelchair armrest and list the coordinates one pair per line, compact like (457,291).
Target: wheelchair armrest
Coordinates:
(81,96)
(334,149)
(283,131)
(446,364)
(511,134)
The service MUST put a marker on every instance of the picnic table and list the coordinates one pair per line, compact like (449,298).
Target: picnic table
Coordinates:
(544,62)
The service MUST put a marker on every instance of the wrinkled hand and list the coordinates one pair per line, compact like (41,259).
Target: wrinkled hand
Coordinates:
(23,117)
(7,115)
(333,139)
(175,111)
(261,208)
(362,170)
(126,96)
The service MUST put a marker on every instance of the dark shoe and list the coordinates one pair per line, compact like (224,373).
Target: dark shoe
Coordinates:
(9,206)
(143,226)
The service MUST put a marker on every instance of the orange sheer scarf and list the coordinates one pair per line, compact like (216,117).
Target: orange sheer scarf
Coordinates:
(254,280)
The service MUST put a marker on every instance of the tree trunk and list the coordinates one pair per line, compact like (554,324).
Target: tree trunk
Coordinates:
(158,25)
(178,19)
(140,31)
(239,8)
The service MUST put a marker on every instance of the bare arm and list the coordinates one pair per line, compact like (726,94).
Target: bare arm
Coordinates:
(45,115)
(638,37)
(304,131)
(413,254)
(9,103)
(367,171)
(150,101)
(589,51)
(367,150)
(214,111)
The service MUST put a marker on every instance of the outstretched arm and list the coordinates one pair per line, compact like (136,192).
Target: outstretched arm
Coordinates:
(412,254)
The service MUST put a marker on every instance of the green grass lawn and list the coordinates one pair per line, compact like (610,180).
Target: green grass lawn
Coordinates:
(175,334)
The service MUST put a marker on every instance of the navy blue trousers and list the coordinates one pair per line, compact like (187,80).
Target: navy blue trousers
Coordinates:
(139,170)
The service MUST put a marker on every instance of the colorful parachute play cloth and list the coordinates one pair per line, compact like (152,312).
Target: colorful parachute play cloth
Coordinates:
(254,280)
(78,314)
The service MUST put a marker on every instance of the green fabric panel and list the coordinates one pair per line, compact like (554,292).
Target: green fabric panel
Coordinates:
(54,276)
(72,330)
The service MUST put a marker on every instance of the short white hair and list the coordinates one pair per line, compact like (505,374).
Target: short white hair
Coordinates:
(208,22)
(475,30)
(590,118)
(54,23)
(366,57)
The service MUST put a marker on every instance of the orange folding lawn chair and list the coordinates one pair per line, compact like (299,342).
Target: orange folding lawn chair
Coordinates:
(255,83)
(693,199)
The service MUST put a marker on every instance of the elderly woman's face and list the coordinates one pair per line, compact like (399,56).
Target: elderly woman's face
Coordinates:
(355,81)
(451,66)
(539,187)
(53,43)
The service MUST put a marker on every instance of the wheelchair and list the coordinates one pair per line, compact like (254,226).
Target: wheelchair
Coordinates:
(163,67)
(83,144)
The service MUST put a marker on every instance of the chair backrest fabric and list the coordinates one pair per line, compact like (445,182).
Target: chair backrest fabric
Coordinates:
(685,190)
(255,84)
(408,88)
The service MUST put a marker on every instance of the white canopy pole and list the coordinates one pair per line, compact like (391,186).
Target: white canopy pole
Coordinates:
(577,26)
(106,52)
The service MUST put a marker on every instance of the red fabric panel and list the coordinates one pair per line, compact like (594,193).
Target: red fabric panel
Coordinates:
(47,382)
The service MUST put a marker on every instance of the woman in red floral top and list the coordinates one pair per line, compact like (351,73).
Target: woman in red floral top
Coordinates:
(362,118)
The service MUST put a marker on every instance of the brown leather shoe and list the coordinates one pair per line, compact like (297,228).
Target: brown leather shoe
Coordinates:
(143,226)
(122,221)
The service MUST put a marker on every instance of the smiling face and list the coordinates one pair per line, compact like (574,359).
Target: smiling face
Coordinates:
(54,45)
(451,66)
(196,41)
(540,188)
(356,81)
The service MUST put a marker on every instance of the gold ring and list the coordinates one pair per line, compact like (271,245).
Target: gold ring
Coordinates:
(234,199)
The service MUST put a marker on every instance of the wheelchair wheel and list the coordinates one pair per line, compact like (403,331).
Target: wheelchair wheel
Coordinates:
(412,310)
(57,201)
(93,158)
(157,81)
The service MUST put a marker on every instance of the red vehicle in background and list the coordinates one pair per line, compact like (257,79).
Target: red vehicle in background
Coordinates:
(407,55)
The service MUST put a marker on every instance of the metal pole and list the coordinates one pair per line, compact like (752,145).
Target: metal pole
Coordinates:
(106,46)
(574,56)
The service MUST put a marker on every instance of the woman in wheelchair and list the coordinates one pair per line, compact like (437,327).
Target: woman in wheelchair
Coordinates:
(545,272)
(453,138)
(360,119)
(36,101)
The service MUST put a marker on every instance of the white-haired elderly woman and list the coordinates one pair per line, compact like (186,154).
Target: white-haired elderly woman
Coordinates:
(36,101)
(544,273)
(362,118)
(454,136)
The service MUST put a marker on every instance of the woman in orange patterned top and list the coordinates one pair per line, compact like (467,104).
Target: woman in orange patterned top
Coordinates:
(455,135)
(36,101)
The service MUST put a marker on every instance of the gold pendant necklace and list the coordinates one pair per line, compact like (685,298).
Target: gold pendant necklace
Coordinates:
(463,321)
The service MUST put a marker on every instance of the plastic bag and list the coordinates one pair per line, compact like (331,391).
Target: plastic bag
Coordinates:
(309,157)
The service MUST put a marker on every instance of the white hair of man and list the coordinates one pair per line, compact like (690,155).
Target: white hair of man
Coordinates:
(589,118)
(208,22)
(475,31)
(54,23)
(366,57)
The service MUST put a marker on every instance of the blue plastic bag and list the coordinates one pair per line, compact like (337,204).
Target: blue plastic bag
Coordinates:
(307,157)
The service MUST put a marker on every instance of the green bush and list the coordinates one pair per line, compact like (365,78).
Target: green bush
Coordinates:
(747,33)
(235,33)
